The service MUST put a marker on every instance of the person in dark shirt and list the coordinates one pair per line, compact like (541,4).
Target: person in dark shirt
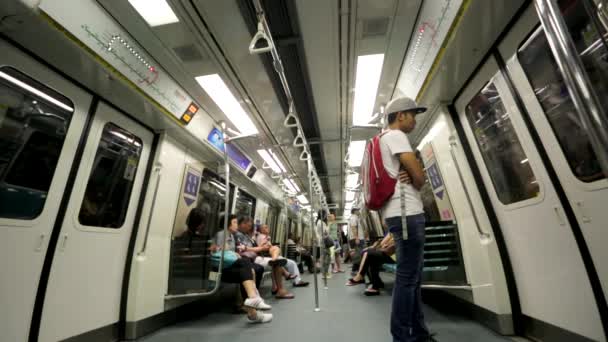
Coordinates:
(248,247)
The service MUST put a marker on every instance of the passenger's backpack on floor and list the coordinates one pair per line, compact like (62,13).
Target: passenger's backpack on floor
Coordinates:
(378,185)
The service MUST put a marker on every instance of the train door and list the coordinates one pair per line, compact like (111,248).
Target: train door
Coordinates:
(42,117)
(552,282)
(89,260)
(536,75)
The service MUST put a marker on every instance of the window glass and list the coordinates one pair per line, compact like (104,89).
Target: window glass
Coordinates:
(245,204)
(34,121)
(543,74)
(500,147)
(211,196)
(106,199)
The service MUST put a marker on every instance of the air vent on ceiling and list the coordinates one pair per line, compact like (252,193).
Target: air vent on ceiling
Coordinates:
(188,53)
(374,27)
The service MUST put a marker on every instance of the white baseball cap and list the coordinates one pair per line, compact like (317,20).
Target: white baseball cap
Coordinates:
(403,104)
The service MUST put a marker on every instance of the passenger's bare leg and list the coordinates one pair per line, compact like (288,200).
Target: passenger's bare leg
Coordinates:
(275,252)
(249,286)
(359,275)
(338,262)
(281,291)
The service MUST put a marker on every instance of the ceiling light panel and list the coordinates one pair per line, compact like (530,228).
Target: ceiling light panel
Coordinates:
(369,69)
(273,162)
(291,186)
(215,87)
(155,12)
(356,149)
(302,199)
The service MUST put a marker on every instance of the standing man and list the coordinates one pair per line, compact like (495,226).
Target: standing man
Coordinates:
(399,159)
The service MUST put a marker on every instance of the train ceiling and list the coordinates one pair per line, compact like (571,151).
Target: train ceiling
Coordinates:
(325,46)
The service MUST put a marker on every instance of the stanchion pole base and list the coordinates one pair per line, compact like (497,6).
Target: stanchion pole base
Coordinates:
(317,309)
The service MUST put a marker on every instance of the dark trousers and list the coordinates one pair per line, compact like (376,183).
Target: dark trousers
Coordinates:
(373,266)
(407,319)
(240,271)
(307,260)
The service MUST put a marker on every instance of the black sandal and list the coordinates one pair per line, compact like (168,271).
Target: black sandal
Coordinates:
(353,282)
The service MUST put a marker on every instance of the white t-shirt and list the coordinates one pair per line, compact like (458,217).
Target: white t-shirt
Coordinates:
(392,144)
(354,222)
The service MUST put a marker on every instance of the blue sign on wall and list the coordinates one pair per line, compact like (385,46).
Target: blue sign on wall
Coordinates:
(191,187)
(215,138)
(434,176)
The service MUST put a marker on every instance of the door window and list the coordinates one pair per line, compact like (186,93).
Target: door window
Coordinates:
(108,193)
(245,204)
(500,147)
(543,74)
(34,121)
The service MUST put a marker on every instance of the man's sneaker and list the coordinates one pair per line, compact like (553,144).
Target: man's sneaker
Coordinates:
(257,303)
(260,317)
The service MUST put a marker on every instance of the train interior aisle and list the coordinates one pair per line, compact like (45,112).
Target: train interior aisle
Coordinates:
(344,315)
(161,158)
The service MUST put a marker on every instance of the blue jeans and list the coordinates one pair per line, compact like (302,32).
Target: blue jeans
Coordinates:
(407,319)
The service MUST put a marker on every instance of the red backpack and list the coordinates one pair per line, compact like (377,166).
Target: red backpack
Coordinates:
(378,185)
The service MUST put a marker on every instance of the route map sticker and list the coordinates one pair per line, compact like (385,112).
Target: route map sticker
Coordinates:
(98,31)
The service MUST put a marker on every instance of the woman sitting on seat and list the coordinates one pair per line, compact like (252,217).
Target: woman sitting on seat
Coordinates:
(242,271)
(371,264)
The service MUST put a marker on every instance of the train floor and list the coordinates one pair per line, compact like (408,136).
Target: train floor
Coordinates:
(346,315)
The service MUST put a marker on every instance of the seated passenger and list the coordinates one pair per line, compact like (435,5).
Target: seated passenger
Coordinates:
(241,271)
(303,253)
(263,236)
(247,246)
(371,264)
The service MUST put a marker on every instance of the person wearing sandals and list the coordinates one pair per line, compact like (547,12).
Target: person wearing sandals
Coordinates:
(292,272)
(335,251)
(247,246)
(242,271)
(371,265)
(322,232)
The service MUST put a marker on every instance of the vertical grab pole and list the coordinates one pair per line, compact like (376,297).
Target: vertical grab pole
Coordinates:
(315,241)
(226,199)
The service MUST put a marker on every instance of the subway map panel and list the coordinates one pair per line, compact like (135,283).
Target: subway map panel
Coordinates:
(432,27)
(93,26)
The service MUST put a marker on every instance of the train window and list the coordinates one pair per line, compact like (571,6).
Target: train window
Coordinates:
(106,198)
(543,74)
(500,147)
(245,204)
(33,124)
(211,201)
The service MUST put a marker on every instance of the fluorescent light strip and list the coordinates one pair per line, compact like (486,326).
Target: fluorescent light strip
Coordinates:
(215,87)
(278,162)
(155,12)
(291,186)
(369,70)
(271,161)
(356,149)
(36,92)
(303,200)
